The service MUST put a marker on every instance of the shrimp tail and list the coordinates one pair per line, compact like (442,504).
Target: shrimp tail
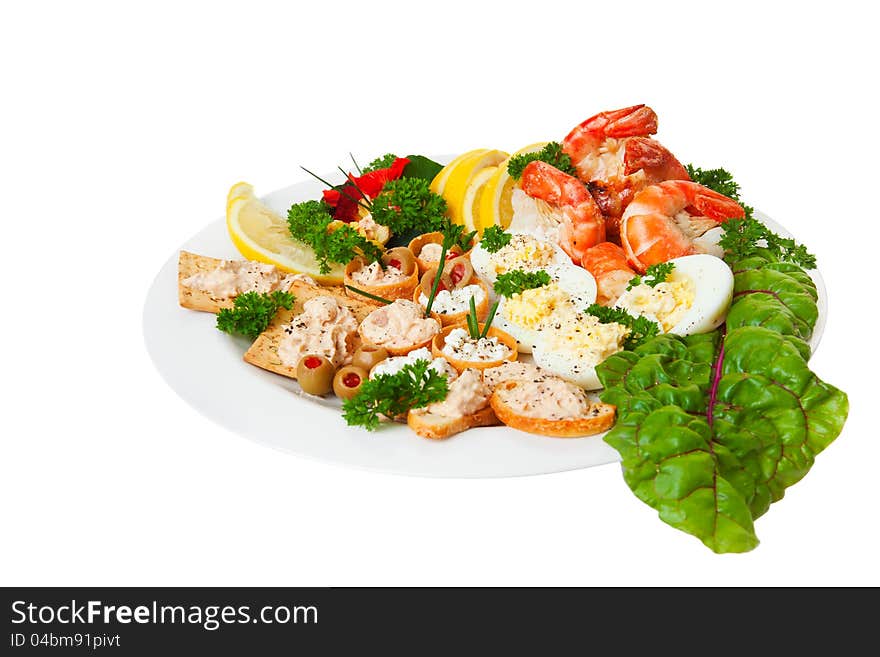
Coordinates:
(634,121)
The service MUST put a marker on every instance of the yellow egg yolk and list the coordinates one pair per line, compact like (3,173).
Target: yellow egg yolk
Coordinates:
(531,308)
(523,252)
(666,303)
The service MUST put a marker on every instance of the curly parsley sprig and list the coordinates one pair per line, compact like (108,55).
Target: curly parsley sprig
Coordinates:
(654,275)
(517,280)
(392,395)
(253,312)
(640,328)
(379,163)
(494,239)
(551,154)
(745,237)
(332,241)
(408,205)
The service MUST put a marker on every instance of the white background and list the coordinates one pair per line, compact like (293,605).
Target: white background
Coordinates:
(122,129)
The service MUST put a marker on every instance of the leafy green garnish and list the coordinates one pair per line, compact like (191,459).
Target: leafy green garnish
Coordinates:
(393,395)
(473,322)
(408,204)
(719,180)
(713,428)
(495,238)
(551,154)
(745,237)
(640,328)
(422,167)
(451,235)
(380,163)
(310,222)
(654,275)
(253,312)
(517,280)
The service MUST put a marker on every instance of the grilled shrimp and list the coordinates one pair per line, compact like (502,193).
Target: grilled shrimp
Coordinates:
(614,155)
(608,265)
(662,220)
(581,222)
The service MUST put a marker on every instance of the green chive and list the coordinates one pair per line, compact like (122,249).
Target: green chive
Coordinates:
(368,295)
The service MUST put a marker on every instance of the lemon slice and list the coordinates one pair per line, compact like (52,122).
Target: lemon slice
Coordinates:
(462,175)
(261,234)
(496,208)
(471,204)
(438,184)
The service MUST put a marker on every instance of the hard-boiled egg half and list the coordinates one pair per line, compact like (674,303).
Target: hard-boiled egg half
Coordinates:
(531,314)
(694,298)
(575,347)
(524,252)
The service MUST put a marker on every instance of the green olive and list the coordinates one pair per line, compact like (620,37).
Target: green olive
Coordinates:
(367,355)
(400,257)
(427,282)
(315,374)
(348,381)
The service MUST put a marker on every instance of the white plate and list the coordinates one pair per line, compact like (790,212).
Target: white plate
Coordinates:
(205,367)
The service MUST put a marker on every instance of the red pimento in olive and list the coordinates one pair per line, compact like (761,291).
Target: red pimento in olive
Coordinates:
(348,381)
(315,374)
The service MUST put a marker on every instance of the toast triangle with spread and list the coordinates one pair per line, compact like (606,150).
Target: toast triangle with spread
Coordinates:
(264,351)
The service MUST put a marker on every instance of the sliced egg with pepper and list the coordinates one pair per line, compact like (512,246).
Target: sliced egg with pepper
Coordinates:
(573,351)
(531,314)
(694,298)
(524,251)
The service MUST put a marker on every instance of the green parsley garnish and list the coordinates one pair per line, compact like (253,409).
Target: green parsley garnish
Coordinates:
(380,163)
(551,154)
(745,237)
(392,395)
(310,222)
(408,204)
(495,238)
(719,180)
(640,328)
(253,312)
(654,275)
(517,280)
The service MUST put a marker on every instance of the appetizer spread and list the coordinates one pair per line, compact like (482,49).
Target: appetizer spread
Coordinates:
(593,285)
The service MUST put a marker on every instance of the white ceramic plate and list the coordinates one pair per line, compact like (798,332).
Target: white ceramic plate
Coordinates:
(205,367)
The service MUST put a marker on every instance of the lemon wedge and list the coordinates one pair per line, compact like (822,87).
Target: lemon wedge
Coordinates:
(471,204)
(496,208)
(259,233)
(454,179)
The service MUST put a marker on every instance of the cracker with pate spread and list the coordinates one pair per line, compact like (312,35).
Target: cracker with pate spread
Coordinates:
(264,351)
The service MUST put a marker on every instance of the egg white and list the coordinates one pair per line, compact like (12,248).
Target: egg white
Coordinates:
(481,260)
(713,282)
(567,366)
(577,282)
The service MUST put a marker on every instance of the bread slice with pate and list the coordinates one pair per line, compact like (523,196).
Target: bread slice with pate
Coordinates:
(550,407)
(264,351)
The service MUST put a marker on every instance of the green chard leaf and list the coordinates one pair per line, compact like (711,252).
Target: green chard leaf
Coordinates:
(713,428)
(252,312)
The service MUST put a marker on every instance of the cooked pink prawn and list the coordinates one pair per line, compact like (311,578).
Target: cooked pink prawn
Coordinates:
(614,155)
(582,224)
(662,220)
